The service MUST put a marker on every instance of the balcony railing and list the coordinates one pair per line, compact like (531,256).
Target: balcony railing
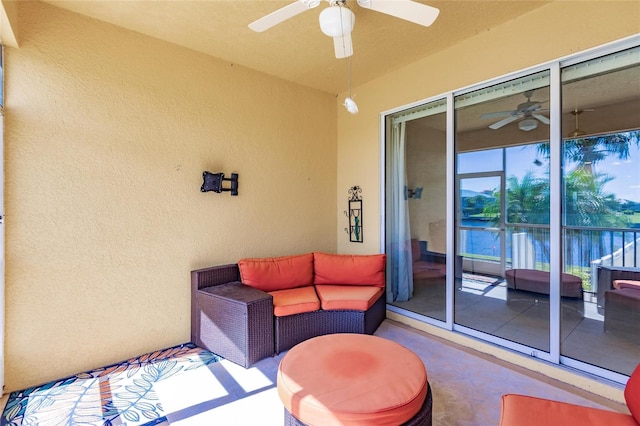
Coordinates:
(583,249)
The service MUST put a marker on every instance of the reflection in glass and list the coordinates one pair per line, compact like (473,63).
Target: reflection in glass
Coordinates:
(426,203)
(601,211)
(502,206)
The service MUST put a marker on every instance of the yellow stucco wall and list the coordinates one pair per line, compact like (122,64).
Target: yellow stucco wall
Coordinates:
(107,133)
(547,33)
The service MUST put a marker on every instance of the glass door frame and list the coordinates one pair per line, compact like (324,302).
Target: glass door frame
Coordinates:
(555,140)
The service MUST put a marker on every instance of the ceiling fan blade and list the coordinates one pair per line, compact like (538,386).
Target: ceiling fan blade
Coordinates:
(408,10)
(542,118)
(343,46)
(278,16)
(504,122)
(497,114)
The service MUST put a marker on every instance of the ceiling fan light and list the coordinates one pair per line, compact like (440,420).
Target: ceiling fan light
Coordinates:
(528,124)
(336,21)
(350,105)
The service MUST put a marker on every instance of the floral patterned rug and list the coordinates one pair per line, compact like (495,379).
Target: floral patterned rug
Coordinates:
(120,394)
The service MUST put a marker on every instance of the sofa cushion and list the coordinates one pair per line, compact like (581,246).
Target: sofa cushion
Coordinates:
(346,269)
(277,273)
(632,394)
(294,301)
(620,284)
(521,410)
(350,297)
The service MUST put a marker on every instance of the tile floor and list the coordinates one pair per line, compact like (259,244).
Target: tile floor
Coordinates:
(523,317)
(466,386)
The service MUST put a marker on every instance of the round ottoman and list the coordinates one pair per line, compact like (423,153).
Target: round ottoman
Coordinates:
(353,379)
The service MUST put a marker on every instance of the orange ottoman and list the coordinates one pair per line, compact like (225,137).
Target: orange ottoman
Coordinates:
(353,379)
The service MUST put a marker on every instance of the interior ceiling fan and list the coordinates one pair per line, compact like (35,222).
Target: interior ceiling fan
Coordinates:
(337,20)
(528,111)
(577,132)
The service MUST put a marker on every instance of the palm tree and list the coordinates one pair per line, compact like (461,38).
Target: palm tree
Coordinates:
(527,201)
(586,205)
(588,151)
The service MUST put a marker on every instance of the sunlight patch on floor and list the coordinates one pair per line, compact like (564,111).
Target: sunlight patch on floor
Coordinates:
(250,379)
(263,408)
(188,389)
(227,394)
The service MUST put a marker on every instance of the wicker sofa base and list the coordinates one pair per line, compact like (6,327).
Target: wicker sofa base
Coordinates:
(422,417)
(622,313)
(236,321)
(293,329)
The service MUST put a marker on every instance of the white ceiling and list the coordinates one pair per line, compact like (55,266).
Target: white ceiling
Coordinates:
(296,50)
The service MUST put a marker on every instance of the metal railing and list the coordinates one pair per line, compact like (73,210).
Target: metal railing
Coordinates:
(583,248)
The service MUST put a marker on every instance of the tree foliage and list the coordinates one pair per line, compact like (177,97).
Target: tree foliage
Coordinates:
(587,152)
(585,203)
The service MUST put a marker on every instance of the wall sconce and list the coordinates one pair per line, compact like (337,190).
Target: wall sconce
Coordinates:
(416,193)
(214,182)
(355,215)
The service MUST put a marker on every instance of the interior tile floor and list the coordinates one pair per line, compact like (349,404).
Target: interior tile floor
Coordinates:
(484,303)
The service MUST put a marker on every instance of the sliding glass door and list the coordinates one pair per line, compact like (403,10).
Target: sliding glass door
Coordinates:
(601,208)
(538,178)
(424,199)
(502,191)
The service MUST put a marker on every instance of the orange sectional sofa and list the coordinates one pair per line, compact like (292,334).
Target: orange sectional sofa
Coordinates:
(522,410)
(261,306)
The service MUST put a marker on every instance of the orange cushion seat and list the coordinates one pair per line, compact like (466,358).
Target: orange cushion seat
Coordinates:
(294,301)
(336,297)
(521,410)
(620,284)
(352,379)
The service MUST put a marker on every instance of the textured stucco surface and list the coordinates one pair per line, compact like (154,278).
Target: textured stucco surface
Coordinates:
(107,133)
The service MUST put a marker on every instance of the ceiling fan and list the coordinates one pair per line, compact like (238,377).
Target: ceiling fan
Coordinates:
(337,20)
(528,111)
(577,132)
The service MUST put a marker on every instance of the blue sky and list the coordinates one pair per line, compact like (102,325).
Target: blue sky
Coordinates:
(626,173)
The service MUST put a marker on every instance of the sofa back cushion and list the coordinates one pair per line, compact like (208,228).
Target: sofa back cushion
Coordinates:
(277,273)
(348,269)
(632,394)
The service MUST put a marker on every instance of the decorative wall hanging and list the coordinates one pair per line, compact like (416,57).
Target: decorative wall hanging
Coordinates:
(214,182)
(355,215)
(415,193)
